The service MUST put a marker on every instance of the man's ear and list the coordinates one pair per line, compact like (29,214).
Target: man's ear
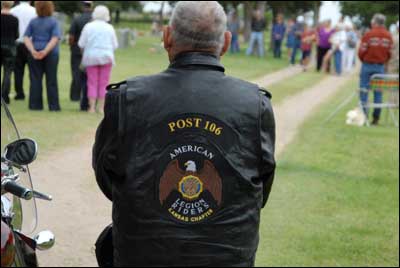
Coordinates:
(167,36)
(227,43)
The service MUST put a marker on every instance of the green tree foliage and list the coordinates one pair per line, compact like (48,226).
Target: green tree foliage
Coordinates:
(292,8)
(365,10)
(70,7)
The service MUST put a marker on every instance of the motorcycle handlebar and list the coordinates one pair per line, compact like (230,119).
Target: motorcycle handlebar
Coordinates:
(17,190)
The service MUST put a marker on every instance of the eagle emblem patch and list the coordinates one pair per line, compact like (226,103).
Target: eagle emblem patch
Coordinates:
(194,193)
(190,186)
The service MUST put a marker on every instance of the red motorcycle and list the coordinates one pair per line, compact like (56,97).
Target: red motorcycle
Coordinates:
(18,198)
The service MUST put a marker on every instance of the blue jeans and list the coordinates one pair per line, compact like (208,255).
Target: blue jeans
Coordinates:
(367,71)
(235,48)
(338,61)
(256,37)
(277,48)
(296,47)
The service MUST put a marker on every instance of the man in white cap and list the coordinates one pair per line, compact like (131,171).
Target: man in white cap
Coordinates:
(298,31)
(24,13)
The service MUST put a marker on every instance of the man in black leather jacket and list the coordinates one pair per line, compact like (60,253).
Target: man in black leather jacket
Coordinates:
(187,155)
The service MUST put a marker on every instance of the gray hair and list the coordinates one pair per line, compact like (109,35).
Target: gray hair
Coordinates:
(199,25)
(379,19)
(101,13)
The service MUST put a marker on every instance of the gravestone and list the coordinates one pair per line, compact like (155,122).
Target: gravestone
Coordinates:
(126,37)
(61,18)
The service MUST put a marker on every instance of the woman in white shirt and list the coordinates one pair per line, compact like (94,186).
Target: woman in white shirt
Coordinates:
(98,42)
(338,42)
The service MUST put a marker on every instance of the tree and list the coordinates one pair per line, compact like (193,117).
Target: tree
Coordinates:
(71,7)
(68,7)
(294,8)
(365,10)
(117,6)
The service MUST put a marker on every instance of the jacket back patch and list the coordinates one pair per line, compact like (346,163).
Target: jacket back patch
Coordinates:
(190,186)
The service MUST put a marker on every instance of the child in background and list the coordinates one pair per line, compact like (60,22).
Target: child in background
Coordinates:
(307,39)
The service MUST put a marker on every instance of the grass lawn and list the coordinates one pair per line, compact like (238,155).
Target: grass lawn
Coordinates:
(53,130)
(335,201)
(294,85)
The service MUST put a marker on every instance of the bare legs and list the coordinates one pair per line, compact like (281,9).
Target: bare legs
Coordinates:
(100,106)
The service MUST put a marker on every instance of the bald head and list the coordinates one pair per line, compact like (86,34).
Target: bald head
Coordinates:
(198,25)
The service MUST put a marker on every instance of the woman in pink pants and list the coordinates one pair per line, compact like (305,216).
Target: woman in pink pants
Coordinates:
(98,42)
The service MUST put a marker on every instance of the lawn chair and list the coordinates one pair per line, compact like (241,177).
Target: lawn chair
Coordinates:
(389,85)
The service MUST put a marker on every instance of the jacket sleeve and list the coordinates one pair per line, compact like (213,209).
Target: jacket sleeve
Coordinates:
(107,164)
(363,47)
(267,136)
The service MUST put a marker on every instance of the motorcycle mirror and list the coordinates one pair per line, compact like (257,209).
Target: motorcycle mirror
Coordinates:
(45,240)
(22,152)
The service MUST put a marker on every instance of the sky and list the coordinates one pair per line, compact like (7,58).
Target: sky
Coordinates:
(330,10)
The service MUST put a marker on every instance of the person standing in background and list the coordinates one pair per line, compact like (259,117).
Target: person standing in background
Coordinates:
(307,39)
(393,66)
(234,28)
(258,26)
(9,34)
(25,13)
(278,34)
(298,31)
(98,41)
(338,42)
(350,48)
(290,37)
(42,39)
(374,52)
(79,80)
(324,35)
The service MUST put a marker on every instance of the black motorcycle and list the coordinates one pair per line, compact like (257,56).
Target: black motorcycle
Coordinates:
(18,198)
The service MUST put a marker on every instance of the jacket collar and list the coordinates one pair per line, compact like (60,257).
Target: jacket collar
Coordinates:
(197,59)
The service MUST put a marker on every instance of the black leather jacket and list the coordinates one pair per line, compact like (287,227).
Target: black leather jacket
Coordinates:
(187,158)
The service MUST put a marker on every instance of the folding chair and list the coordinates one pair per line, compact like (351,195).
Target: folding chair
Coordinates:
(388,84)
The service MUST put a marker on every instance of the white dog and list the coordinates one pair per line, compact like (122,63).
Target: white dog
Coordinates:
(356,117)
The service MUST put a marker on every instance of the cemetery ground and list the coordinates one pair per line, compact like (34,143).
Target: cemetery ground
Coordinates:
(335,200)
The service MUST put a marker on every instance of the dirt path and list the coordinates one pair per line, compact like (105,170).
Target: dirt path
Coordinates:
(278,76)
(291,113)
(79,212)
